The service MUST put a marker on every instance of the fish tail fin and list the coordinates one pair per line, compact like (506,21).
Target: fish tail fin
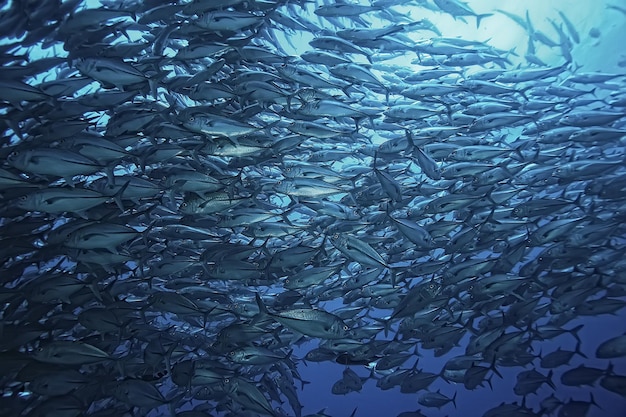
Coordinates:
(415,351)
(289,98)
(95,291)
(593,401)
(372,374)
(393,276)
(147,230)
(574,68)
(469,324)
(522,92)
(577,203)
(108,170)
(346,89)
(167,357)
(410,144)
(575,331)
(387,324)
(489,382)
(153,85)
(442,374)
(549,379)
(480,17)
(303,383)
(117,197)
(518,151)
(494,368)
(578,351)
(259,301)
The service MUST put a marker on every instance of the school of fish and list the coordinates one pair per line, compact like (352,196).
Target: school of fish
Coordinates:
(185,202)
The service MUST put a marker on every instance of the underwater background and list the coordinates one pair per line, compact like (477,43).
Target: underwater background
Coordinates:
(290,208)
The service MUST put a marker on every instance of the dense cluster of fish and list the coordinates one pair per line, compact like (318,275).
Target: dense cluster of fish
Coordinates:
(183,201)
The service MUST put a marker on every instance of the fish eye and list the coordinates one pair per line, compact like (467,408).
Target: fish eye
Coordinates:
(232,353)
(345,327)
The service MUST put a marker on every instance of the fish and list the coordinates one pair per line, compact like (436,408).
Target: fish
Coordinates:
(350,382)
(42,161)
(138,393)
(60,200)
(612,348)
(459,9)
(227,21)
(254,356)
(614,383)
(337,44)
(529,382)
(70,353)
(560,357)
(583,375)
(214,125)
(343,9)
(436,399)
(200,198)
(576,407)
(312,322)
